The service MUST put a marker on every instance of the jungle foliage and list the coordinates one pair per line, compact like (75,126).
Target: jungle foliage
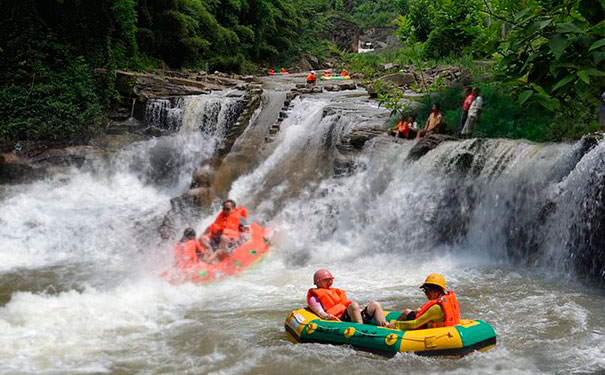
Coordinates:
(56,56)
(548,58)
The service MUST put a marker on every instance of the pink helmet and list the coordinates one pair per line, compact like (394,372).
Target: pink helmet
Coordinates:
(320,275)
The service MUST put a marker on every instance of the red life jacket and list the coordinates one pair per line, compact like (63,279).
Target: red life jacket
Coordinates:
(333,300)
(403,128)
(311,77)
(450,307)
(229,225)
(186,253)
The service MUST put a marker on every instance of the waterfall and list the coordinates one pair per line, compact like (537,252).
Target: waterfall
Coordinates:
(511,224)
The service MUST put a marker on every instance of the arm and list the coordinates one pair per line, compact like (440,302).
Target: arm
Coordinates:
(434,314)
(318,309)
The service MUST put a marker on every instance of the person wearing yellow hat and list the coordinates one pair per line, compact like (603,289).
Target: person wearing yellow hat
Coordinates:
(442,309)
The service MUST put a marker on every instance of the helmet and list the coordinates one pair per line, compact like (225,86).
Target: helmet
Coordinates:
(321,274)
(189,233)
(313,71)
(435,279)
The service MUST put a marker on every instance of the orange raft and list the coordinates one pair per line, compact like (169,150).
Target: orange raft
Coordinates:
(241,258)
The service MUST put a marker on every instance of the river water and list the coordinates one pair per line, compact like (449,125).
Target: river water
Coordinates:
(80,253)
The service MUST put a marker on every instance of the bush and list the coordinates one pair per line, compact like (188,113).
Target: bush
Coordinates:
(502,116)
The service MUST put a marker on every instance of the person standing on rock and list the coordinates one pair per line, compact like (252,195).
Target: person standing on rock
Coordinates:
(311,79)
(474,112)
(434,123)
(229,228)
(466,104)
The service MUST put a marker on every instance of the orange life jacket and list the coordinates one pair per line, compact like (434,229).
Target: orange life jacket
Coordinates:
(333,300)
(186,253)
(311,77)
(229,225)
(344,73)
(450,307)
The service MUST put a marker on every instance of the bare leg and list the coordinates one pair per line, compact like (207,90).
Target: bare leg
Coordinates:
(375,309)
(354,312)
(404,314)
(223,249)
(205,241)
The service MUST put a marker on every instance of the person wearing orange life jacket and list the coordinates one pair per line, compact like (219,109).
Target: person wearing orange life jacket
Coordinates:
(283,70)
(344,73)
(442,309)
(228,230)
(332,304)
(311,79)
(188,251)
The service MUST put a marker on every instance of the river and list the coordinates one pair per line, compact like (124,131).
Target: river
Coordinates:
(80,253)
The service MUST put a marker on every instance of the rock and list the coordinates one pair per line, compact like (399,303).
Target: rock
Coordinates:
(372,91)
(332,88)
(203,177)
(248,78)
(393,41)
(347,86)
(344,34)
(73,155)
(357,138)
(426,144)
(399,79)
(201,196)
(357,76)
(13,169)
(344,166)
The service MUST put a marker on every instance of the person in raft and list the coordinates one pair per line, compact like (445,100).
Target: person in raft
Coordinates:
(441,310)
(227,231)
(331,303)
(188,251)
(344,73)
(311,79)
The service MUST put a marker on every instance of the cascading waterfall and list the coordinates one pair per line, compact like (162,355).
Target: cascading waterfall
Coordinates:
(80,291)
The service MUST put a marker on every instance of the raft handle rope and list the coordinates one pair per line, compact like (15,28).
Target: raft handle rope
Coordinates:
(428,338)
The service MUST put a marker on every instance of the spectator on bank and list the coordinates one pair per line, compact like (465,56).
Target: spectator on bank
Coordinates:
(466,104)
(601,112)
(434,123)
(474,112)
(406,128)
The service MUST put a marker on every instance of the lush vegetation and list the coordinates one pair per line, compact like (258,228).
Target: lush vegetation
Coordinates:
(548,58)
(57,56)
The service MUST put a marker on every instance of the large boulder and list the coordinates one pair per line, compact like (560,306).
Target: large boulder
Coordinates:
(399,79)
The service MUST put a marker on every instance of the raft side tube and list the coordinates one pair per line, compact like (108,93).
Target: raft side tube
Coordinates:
(303,326)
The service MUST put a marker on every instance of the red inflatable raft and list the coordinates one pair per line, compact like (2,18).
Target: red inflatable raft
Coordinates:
(241,258)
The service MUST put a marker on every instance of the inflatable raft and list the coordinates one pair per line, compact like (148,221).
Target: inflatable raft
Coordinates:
(279,74)
(244,256)
(335,78)
(303,326)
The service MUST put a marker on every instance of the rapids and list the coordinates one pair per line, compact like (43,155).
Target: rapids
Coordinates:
(503,220)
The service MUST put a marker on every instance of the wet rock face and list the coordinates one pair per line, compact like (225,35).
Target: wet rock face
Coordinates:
(587,245)
(344,34)
(426,144)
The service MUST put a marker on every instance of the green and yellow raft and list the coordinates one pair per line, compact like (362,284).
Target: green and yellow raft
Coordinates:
(303,326)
